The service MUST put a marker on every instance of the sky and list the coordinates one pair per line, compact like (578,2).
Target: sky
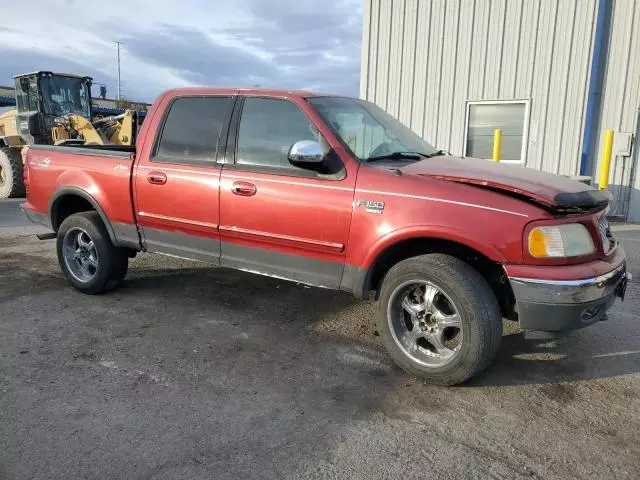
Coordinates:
(308,44)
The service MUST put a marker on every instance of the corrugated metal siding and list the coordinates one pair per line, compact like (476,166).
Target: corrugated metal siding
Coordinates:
(621,100)
(419,70)
(395,60)
(577,90)
(462,68)
(538,50)
(365,63)
(511,39)
(448,72)
(383,53)
(408,62)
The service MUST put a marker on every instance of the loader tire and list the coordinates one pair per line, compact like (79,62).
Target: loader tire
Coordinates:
(11,182)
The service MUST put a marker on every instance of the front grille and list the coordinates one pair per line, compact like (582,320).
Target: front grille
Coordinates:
(606,236)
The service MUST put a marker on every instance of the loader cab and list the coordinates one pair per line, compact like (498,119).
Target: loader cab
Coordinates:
(42,97)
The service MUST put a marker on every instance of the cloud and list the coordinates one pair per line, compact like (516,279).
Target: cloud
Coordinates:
(208,62)
(312,44)
(17,61)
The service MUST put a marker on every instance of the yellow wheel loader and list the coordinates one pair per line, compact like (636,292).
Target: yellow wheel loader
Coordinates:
(54,109)
(11,184)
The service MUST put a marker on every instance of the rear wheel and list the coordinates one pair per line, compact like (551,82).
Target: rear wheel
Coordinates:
(89,260)
(11,181)
(121,267)
(439,319)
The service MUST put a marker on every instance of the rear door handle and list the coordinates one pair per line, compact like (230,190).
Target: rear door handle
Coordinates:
(245,189)
(157,178)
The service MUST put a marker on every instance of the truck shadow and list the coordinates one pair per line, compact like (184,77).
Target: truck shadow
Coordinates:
(214,369)
(595,352)
(211,370)
(581,355)
(239,299)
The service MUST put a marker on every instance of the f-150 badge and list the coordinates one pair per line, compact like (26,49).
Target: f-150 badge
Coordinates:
(371,206)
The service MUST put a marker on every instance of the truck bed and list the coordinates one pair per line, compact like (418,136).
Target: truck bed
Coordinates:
(100,175)
(106,150)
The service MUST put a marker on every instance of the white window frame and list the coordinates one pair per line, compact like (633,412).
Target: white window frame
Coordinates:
(525,133)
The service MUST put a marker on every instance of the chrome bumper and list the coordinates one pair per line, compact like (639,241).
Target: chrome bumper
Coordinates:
(568,291)
(557,305)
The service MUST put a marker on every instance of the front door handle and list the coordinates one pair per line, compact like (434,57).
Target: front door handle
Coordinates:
(157,178)
(245,189)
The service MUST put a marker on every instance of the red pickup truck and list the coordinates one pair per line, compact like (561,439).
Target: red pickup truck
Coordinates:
(334,192)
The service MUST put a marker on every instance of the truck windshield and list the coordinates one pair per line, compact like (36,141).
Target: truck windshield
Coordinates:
(65,95)
(369,131)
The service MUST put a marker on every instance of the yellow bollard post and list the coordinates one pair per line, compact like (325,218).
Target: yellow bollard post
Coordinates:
(607,147)
(497,144)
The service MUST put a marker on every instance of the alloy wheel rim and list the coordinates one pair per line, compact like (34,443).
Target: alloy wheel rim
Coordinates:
(425,323)
(80,255)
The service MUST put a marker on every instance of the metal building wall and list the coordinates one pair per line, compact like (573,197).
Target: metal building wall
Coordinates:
(621,105)
(424,59)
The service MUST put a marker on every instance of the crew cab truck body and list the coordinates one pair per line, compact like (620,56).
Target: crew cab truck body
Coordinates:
(333,192)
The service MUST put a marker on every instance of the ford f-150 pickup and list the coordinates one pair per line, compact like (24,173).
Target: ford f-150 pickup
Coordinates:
(334,192)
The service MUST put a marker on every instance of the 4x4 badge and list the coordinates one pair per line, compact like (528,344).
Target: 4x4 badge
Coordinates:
(371,206)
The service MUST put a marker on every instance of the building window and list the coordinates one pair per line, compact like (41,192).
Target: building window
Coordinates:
(482,120)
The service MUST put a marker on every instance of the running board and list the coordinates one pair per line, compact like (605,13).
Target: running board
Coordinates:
(46,236)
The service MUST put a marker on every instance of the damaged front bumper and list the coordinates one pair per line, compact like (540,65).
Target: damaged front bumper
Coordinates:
(556,306)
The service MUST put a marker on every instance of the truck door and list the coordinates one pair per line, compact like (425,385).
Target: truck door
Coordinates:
(176,179)
(276,218)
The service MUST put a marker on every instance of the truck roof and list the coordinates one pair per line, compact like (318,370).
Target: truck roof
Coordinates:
(275,92)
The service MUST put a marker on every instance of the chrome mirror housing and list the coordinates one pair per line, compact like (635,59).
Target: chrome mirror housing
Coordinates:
(305,152)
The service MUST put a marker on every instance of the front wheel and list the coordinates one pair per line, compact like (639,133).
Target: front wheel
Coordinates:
(89,260)
(438,318)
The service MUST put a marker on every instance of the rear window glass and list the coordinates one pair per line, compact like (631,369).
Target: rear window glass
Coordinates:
(192,130)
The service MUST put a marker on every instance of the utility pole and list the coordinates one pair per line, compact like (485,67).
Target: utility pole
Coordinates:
(118,93)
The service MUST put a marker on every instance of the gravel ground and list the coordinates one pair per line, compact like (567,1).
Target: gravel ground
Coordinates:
(198,373)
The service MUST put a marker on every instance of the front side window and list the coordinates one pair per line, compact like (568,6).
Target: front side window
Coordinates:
(192,129)
(367,129)
(268,129)
(65,95)
(483,118)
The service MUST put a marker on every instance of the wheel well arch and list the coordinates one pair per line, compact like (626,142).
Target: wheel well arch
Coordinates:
(70,200)
(492,271)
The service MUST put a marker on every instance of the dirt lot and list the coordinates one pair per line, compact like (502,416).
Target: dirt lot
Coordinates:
(199,373)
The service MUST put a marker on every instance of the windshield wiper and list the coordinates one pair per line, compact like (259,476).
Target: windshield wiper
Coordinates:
(437,154)
(398,155)
(405,156)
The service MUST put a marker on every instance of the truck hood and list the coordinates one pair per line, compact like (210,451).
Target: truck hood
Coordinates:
(551,191)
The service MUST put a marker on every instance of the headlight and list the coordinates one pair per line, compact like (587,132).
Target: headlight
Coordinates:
(569,240)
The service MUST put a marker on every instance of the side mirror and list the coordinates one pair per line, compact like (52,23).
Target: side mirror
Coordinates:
(306,154)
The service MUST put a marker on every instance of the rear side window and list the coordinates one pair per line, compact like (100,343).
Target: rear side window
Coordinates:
(192,130)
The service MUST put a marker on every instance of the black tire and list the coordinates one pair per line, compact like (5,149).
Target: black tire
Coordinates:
(474,301)
(11,181)
(112,262)
(121,267)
